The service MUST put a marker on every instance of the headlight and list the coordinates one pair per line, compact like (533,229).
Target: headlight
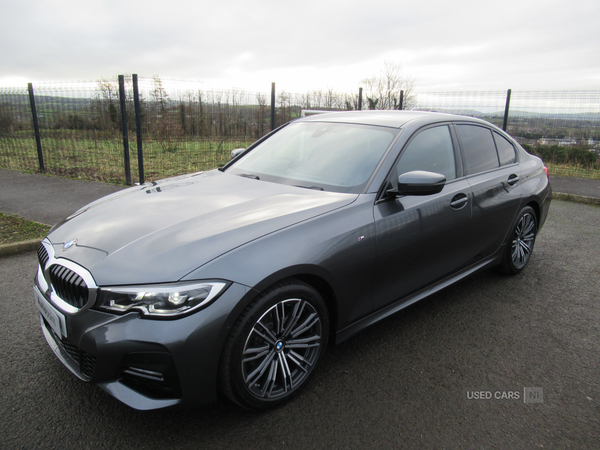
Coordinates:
(166,300)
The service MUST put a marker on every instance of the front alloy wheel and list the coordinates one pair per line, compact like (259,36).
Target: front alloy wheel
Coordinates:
(275,346)
(282,348)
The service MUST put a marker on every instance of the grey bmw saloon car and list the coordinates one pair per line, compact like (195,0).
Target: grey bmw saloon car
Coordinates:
(235,280)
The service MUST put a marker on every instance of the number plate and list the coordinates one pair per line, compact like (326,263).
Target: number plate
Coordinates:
(52,316)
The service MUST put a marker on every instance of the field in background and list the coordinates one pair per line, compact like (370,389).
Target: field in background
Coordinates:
(186,128)
(102,159)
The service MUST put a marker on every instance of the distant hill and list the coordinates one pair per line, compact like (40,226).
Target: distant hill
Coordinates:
(515,113)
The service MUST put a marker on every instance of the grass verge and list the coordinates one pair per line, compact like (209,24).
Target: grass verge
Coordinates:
(569,170)
(15,229)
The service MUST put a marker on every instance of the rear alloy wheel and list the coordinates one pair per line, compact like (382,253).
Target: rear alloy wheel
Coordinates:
(275,346)
(521,243)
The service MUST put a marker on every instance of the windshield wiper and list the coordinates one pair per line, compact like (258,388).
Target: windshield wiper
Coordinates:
(249,175)
(316,188)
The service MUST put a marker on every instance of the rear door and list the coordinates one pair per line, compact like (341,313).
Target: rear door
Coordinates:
(489,162)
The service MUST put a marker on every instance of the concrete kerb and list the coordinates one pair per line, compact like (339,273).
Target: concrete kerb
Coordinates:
(576,198)
(16,248)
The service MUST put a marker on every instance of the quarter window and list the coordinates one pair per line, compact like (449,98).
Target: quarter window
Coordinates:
(506,151)
(478,148)
(430,150)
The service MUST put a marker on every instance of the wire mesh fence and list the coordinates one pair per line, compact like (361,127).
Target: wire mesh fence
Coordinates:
(186,126)
(17,147)
(80,126)
(488,105)
(75,141)
(556,117)
(535,117)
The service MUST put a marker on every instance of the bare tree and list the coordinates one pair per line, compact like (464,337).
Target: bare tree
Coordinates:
(106,100)
(330,99)
(261,114)
(284,112)
(159,95)
(383,91)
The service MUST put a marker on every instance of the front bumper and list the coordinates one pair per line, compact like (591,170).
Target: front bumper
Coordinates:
(145,363)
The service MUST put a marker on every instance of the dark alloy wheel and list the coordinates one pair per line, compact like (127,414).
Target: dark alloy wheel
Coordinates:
(275,346)
(521,242)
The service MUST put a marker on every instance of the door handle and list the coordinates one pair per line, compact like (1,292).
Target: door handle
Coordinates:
(513,179)
(459,201)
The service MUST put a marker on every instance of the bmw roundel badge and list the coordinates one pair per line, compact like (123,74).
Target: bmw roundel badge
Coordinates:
(68,245)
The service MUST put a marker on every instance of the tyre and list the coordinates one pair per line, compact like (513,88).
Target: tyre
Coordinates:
(522,240)
(275,346)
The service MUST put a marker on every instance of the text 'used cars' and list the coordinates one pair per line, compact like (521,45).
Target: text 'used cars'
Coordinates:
(236,280)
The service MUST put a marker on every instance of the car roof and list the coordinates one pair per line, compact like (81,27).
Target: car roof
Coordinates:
(389,118)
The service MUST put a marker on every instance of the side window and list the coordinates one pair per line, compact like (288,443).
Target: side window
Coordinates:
(478,148)
(430,150)
(506,151)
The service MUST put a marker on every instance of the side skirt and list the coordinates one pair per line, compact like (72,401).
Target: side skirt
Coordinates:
(393,308)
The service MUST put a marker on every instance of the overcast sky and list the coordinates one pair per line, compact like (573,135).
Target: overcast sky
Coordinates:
(308,44)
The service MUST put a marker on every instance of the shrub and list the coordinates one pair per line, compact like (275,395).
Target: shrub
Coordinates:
(565,155)
(6,124)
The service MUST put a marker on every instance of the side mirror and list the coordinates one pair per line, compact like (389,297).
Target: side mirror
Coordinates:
(419,182)
(236,151)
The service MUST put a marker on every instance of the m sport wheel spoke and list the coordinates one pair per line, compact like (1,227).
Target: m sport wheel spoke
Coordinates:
(522,242)
(282,348)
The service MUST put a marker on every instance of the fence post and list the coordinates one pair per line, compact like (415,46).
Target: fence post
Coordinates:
(272,106)
(401,102)
(36,127)
(506,108)
(360,99)
(124,129)
(138,127)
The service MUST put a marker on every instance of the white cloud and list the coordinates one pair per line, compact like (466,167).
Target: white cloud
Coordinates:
(305,45)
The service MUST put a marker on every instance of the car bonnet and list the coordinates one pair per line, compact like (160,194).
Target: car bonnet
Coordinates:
(159,232)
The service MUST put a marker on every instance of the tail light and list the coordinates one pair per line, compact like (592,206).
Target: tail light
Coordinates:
(547,173)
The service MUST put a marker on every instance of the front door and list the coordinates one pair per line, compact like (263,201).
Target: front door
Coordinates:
(421,239)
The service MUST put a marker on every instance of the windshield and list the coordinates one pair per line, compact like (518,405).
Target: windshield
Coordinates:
(335,157)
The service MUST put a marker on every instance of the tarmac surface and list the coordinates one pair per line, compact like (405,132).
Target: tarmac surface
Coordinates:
(493,362)
(585,187)
(47,199)
(531,342)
